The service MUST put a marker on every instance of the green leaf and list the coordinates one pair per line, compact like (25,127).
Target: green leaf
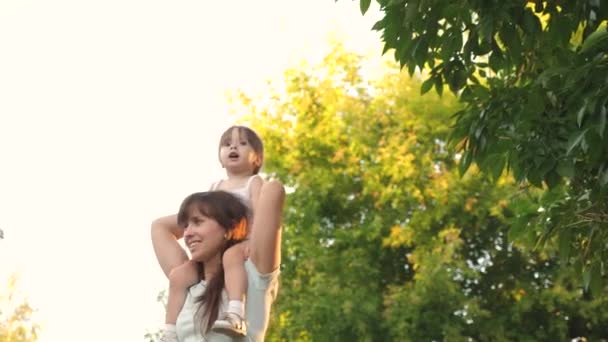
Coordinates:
(575,139)
(497,167)
(453,44)
(565,244)
(510,38)
(496,61)
(536,103)
(604,178)
(581,114)
(531,22)
(420,51)
(602,123)
(595,283)
(595,39)
(565,169)
(547,165)
(486,28)
(535,178)
(411,67)
(439,85)
(552,179)
(518,228)
(427,85)
(458,80)
(364,5)
(586,278)
(387,47)
(379,25)
(465,162)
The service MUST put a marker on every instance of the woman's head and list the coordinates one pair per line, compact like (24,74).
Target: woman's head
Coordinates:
(241,148)
(213,221)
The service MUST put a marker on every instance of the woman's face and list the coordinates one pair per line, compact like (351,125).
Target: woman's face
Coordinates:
(203,236)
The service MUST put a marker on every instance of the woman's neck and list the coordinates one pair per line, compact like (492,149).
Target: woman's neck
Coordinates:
(212,267)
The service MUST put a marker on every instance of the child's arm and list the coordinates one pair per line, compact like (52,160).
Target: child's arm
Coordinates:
(165,232)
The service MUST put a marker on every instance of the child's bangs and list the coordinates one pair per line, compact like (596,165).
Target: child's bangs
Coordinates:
(226,137)
(244,133)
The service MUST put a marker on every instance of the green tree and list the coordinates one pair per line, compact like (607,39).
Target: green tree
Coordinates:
(383,239)
(16,324)
(154,335)
(532,76)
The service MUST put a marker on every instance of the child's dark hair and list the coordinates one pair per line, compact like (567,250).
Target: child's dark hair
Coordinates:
(252,138)
(230,213)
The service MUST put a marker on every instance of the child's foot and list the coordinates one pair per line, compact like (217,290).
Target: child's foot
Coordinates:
(230,324)
(168,336)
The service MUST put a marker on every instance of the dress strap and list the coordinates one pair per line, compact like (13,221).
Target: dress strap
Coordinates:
(216,185)
(249,181)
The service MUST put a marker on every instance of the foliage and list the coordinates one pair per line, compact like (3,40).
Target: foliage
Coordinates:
(154,336)
(383,239)
(16,324)
(533,78)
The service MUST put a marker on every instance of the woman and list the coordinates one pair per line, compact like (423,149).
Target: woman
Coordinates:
(211,220)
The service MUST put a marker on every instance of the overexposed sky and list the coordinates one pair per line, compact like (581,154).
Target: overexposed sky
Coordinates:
(110,112)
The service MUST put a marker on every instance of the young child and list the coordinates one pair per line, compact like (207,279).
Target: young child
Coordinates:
(241,153)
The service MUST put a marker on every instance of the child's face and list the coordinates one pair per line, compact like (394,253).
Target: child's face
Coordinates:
(237,155)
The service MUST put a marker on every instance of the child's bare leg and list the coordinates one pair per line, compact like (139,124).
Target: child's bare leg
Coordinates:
(265,241)
(235,279)
(234,272)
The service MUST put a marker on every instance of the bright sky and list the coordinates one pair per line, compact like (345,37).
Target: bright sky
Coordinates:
(110,112)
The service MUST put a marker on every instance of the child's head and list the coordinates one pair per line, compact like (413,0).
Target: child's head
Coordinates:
(241,147)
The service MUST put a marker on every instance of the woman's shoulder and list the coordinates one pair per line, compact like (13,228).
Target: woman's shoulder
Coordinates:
(197,289)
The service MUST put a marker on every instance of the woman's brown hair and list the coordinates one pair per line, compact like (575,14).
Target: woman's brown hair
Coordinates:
(252,138)
(230,213)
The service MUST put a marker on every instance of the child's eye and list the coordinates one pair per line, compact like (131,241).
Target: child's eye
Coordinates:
(243,143)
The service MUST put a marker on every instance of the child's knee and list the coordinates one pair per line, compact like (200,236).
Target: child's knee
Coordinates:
(274,188)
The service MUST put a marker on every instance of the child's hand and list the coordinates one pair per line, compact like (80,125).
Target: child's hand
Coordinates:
(184,275)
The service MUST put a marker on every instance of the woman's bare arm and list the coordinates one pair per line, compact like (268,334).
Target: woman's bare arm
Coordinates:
(265,244)
(165,233)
